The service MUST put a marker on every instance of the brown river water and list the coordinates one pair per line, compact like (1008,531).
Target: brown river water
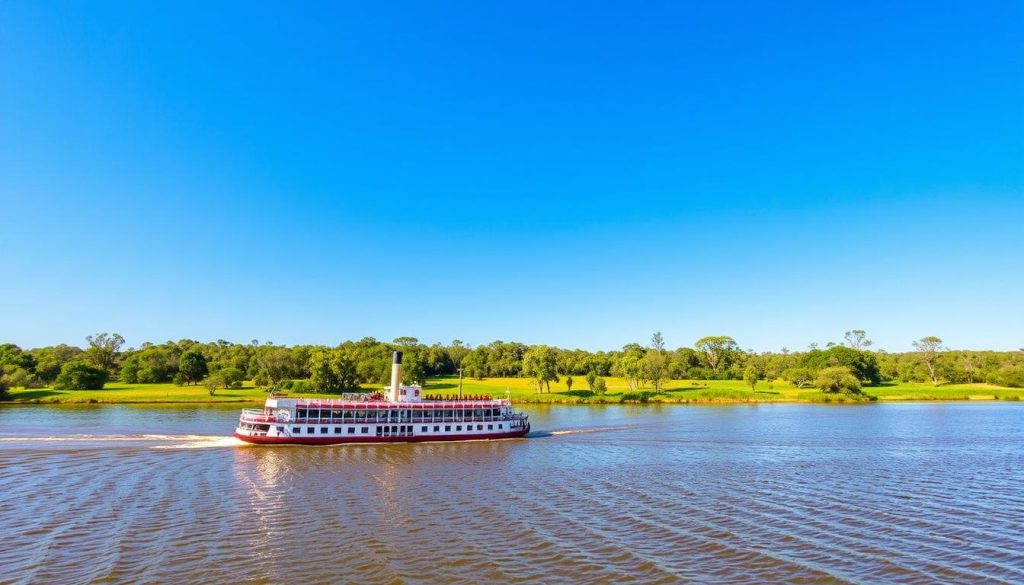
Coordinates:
(885,493)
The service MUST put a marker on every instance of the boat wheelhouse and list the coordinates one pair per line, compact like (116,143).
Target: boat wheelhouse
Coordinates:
(404,415)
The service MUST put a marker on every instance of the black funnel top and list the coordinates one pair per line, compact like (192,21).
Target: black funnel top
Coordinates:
(398,358)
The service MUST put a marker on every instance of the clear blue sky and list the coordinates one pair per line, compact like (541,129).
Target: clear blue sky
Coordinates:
(578,174)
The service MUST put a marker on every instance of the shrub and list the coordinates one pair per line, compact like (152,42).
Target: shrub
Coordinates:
(299,386)
(16,377)
(1010,376)
(798,376)
(232,377)
(837,379)
(79,375)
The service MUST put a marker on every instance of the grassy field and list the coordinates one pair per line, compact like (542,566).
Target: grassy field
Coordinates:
(524,391)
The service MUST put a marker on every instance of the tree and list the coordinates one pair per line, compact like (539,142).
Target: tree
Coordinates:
(17,377)
(750,376)
(969,364)
(80,375)
(12,355)
(568,383)
(412,368)
(716,350)
(192,366)
(657,341)
(929,348)
(862,364)
(272,364)
(233,377)
(49,360)
(150,365)
(103,350)
(857,339)
(591,378)
(477,362)
(631,367)
(541,363)
(223,378)
(214,382)
(457,350)
(1008,375)
(656,366)
(837,379)
(798,376)
(600,386)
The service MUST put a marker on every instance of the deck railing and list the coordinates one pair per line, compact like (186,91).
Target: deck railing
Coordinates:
(259,416)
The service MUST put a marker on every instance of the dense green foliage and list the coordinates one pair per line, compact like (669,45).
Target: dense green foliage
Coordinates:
(192,366)
(80,375)
(834,379)
(349,365)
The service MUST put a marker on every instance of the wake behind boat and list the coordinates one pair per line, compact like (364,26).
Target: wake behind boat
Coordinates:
(403,415)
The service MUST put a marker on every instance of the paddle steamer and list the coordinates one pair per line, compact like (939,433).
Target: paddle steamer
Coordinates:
(401,415)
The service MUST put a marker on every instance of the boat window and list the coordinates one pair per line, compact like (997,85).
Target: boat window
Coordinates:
(337,430)
(280,429)
(447,428)
(310,430)
(490,427)
(479,427)
(458,428)
(323,430)
(423,429)
(501,427)
(366,430)
(351,430)
(437,428)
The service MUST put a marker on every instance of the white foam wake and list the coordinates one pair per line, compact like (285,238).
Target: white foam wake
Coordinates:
(187,439)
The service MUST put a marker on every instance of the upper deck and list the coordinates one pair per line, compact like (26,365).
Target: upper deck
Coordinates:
(369,404)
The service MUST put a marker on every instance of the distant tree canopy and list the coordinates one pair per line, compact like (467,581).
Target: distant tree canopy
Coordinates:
(352,364)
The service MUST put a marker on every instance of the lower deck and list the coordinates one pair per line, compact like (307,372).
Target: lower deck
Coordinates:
(306,434)
(333,434)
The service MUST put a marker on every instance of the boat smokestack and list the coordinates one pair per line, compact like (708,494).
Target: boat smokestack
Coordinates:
(396,376)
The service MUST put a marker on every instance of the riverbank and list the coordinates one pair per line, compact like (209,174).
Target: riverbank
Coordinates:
(523,391)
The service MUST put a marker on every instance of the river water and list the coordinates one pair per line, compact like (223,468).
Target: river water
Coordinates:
(908,493)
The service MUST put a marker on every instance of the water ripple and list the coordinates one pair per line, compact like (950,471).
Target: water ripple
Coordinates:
(739,495)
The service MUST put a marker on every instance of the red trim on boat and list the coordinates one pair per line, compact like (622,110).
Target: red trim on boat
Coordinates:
(344,440)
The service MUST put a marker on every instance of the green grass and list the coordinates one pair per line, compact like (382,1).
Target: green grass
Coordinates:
(713,391)
(525,391)
(127,393)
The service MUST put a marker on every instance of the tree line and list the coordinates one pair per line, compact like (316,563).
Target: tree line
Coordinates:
(843,366)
